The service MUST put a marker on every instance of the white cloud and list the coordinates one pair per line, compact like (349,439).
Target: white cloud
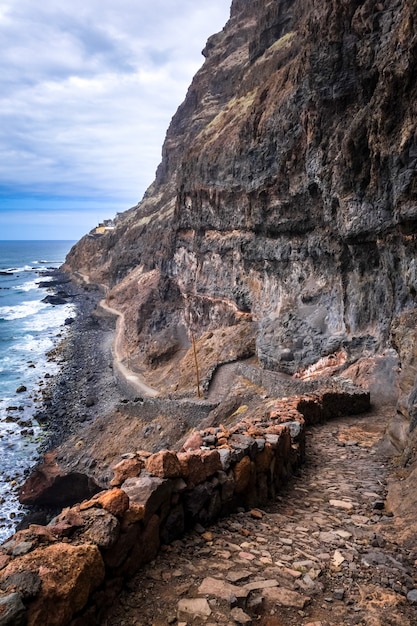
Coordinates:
(88,89)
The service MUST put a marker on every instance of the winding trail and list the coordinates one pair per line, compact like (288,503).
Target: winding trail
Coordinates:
(133,379)
(323,554)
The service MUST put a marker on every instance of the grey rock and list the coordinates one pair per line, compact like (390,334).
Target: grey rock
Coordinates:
(412,596)
(12,610)
(339,594)
(148,490)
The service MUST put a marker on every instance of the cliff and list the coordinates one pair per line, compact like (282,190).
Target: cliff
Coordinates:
(286,195)
(278,237)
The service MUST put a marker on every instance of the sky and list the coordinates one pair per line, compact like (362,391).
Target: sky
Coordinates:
(87,91)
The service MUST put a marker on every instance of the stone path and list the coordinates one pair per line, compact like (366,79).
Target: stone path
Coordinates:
(323,554)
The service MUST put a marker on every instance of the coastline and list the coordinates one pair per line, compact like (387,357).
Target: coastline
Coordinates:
(84,385)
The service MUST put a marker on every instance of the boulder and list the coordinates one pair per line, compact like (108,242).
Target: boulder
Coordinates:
(149,491)
(127,468)
(164,464)
(68,576)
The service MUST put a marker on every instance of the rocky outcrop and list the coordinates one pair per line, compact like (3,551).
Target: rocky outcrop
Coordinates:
(50,485)
(286,192)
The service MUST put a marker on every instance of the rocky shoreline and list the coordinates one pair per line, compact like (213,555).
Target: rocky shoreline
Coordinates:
(84,386)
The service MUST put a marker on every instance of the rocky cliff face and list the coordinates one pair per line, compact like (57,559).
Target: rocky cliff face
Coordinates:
(286,197)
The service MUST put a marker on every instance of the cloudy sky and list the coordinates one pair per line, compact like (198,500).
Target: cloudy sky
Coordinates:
(87,91)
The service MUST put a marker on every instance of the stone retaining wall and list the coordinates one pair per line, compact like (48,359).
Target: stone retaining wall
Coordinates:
(192,411)
(70,571)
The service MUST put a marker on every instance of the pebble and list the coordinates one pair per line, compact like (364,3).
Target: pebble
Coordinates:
(412,596)
(338,594)
(341,504)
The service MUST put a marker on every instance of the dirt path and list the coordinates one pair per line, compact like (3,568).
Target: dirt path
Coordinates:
(323,554)
(134,380)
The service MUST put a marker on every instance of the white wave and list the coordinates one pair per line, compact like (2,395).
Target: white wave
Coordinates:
(20,311)
(50,318)
(29,343)
(45,279)
(28,286)
(17,270)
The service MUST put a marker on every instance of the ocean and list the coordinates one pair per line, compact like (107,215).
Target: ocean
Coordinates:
(29,329)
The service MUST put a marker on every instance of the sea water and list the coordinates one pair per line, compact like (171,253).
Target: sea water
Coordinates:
(29,329)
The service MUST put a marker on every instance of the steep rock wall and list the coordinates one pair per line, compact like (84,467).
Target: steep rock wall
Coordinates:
(287,188)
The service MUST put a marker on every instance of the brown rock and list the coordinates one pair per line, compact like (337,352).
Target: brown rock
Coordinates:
(69,574)
(50,485)
(164,464)
(264,459)
(192,467)
(4,560)
(241,617)
(285,597)
(221,589)
(211,462)
(116,501)
(194,442)
(197,607)
(134,514)
(242,473)
(150,491)
(144,549)
(66,522)
(128,468)
(101,528)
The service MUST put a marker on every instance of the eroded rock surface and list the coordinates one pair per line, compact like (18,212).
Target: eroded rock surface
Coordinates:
(285,197)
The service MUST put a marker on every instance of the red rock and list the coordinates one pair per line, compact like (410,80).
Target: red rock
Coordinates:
(264,459)
(69,574)
(242,473)
(128,468)
(276,429)
(222,442)
(115,501)
(194,442)
(4,559)
(50,485)
(192,467)
(67,522)
(164,464)
(211,461)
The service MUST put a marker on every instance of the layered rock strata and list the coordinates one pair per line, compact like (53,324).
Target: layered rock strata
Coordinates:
(285,196)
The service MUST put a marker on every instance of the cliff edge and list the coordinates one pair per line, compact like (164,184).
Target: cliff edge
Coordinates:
(285,202)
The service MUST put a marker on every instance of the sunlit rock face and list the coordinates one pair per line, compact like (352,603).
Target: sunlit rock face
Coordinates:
(287,191)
